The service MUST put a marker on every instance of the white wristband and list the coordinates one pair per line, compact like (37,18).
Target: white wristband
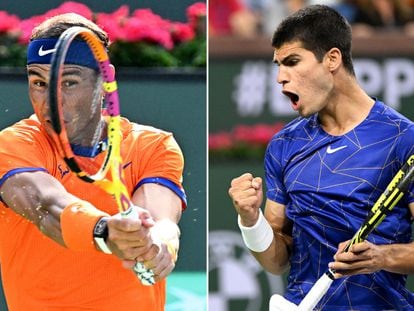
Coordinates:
(258,237)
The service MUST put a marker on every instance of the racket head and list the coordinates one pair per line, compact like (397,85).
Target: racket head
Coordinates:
(394,192)
(90,92)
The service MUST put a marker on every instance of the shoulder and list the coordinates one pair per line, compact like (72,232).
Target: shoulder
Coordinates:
(295,136)
(383,112)
(148,137)
(132,128)
(299,129)
(27,130)
(395,125)
(393,121)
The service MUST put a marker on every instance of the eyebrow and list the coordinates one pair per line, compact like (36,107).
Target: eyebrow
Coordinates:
(32,72)
(286,59)
(70,72)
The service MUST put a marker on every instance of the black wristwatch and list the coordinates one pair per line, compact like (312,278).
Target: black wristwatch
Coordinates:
(100,234)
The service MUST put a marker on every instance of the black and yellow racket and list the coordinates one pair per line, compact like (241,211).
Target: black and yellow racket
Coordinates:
(63,83)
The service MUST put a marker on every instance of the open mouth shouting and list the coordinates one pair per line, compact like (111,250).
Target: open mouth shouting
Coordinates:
(294,99)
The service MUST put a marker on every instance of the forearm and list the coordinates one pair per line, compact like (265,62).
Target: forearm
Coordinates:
(39,198)
(268,245)
(165,208)
(276,258)
(398,258)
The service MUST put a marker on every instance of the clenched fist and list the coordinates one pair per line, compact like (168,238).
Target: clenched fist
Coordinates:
(247,195)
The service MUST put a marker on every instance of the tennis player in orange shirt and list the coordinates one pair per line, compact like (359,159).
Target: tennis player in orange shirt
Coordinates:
(51,255)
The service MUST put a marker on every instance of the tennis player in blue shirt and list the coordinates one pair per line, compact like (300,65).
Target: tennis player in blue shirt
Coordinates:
(324,171)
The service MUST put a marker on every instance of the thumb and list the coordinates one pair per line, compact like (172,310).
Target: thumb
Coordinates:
(144,216)
(343,247)
(147,220)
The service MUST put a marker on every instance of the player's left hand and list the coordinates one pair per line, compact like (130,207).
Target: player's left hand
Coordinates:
(361,258)
(162,255)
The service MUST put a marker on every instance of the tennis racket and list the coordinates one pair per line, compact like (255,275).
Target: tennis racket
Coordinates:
(386,202)
(92,169)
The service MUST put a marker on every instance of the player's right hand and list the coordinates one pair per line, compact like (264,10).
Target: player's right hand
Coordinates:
(129,238)
(247,196)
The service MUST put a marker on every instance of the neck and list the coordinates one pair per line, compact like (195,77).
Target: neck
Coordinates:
(348,106)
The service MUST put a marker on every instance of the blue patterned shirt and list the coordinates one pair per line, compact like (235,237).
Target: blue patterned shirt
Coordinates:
(328,185)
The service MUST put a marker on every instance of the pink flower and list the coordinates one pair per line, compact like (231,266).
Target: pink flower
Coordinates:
(259,134)
(71,7)
(145,25)
(113,22)
(182,32)
(8,22)
(27,25)
(221,140)
(194,12)
(153,20)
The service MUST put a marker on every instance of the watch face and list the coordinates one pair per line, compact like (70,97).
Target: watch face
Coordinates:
(101,228)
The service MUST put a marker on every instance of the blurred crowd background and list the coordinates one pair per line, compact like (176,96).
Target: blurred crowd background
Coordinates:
(248,18)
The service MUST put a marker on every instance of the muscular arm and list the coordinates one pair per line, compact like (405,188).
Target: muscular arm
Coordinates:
(399,258)
(247,195)
(366,257)
(276,258)
(131,240)
(40,198)
(161,202)
(164,207)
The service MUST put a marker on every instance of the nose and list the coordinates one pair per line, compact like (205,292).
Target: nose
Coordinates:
(44,110)
(282,75)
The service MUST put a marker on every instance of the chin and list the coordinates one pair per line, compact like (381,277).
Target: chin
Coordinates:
(305,114)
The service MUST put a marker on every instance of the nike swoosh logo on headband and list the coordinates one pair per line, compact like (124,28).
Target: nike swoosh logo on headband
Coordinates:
(42,52)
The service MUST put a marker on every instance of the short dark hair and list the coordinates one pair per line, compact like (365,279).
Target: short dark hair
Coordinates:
(55,26)
(319,28)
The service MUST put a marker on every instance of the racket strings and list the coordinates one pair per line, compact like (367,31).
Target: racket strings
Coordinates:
(90,139)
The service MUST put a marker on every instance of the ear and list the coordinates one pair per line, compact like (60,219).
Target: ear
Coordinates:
(333,59)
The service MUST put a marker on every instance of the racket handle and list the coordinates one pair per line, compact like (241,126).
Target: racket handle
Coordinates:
(146,276)
(279,303)
(316,293)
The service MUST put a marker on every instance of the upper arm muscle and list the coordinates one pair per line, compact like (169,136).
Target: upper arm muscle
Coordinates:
(160,201)
(275,214)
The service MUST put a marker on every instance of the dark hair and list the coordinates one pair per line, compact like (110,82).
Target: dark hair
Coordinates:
(319,28)
(55,26)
